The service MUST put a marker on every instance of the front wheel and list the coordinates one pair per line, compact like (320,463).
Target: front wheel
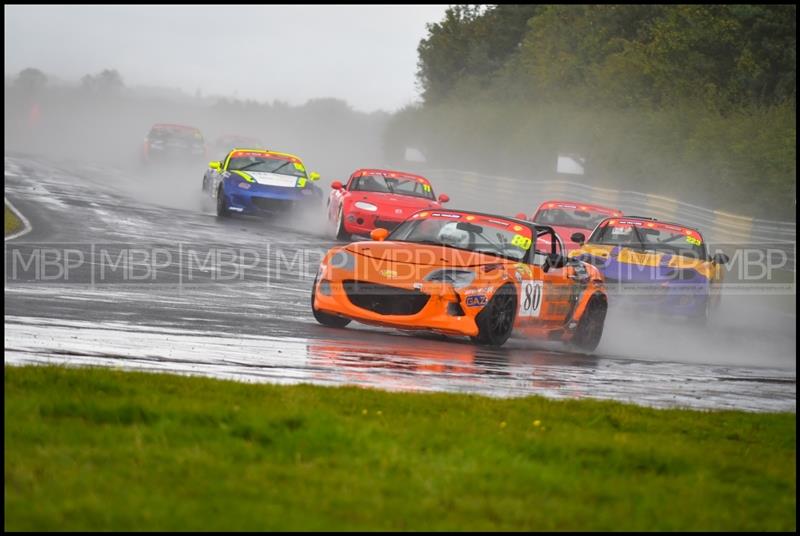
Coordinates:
(703,318)
(222,210)
(332,321)
(590,327)
(496,320)
(341,233)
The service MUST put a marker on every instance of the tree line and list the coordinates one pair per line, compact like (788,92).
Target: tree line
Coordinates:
(694,101)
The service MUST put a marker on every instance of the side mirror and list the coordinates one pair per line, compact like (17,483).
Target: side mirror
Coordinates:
(554,260)
(444,198)
(336,185)
(578,238)
(215,165)
(379,234)
(721,258)
(314,176)
(521,216)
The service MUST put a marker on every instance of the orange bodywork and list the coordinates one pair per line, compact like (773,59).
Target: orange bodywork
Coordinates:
(550,303)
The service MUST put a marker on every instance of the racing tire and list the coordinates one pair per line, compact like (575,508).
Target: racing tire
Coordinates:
(341,234)
(222,210)
(496,320)
(704,318)
(332,321)
(590,327)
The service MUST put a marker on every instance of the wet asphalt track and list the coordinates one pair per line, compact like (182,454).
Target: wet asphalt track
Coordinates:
(110,277)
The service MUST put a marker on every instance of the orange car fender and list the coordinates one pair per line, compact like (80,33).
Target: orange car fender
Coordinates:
(497,279)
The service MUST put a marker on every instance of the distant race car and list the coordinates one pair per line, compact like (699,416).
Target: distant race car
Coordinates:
(568,217)
(655,266)
(167,143)
(378,198)
(252,181)
(226,142)
(462,273)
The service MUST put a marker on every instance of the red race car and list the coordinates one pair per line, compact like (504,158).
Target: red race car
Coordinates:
(568,217)
(378,198)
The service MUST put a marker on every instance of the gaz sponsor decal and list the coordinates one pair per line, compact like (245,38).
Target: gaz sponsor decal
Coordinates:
(530,303)
(476,300)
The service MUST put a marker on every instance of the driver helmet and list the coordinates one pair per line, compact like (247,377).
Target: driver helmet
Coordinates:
(450,234)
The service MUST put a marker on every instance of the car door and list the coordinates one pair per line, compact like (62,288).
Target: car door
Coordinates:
(547,297)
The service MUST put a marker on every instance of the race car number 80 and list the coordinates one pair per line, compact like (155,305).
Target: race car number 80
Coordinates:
(530,303)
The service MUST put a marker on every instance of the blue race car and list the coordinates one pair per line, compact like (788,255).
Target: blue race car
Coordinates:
(257,181)
(655,266)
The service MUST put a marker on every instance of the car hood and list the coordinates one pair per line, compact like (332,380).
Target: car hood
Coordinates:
(615,255)
(422,254)
(407,203)
(269,179)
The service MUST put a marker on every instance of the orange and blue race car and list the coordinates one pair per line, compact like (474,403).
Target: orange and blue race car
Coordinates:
(655,266)
(378,198)
(257,181)
(462,273)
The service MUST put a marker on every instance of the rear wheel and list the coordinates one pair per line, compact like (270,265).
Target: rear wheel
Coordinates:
(590,327)
(341,233)
(222,210)
(496,320)
(332,321)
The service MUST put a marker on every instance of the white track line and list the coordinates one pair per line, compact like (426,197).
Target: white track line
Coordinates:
(27,227)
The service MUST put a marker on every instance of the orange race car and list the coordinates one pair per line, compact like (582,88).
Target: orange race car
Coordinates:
(463,273)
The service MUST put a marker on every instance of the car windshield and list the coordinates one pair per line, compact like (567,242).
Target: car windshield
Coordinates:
(267,164)
(571,216)
(471,232)
(650,236)
(393,185)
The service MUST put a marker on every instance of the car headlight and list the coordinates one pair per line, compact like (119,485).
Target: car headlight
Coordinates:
(457,278)
(343,260)
(244,185)
(363,205)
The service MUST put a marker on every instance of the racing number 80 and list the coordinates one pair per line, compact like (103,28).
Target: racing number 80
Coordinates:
(521,242)
(531,299)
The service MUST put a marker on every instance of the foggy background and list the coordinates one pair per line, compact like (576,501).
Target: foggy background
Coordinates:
(87,82)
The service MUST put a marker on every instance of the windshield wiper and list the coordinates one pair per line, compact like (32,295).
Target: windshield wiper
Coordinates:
(280,167)
(248,166)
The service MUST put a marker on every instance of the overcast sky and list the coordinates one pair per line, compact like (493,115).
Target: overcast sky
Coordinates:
(366,55)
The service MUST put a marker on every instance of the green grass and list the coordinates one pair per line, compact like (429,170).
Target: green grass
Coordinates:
(96,449)
(13,224)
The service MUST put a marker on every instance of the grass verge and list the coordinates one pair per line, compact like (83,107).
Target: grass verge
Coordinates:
(13,224)
(98,449)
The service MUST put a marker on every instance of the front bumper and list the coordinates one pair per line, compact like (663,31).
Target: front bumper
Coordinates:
(261,199)
(438,312)
(361,222)
(673,298)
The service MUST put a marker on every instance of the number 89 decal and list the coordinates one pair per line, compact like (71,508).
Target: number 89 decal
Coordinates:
(530,303)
